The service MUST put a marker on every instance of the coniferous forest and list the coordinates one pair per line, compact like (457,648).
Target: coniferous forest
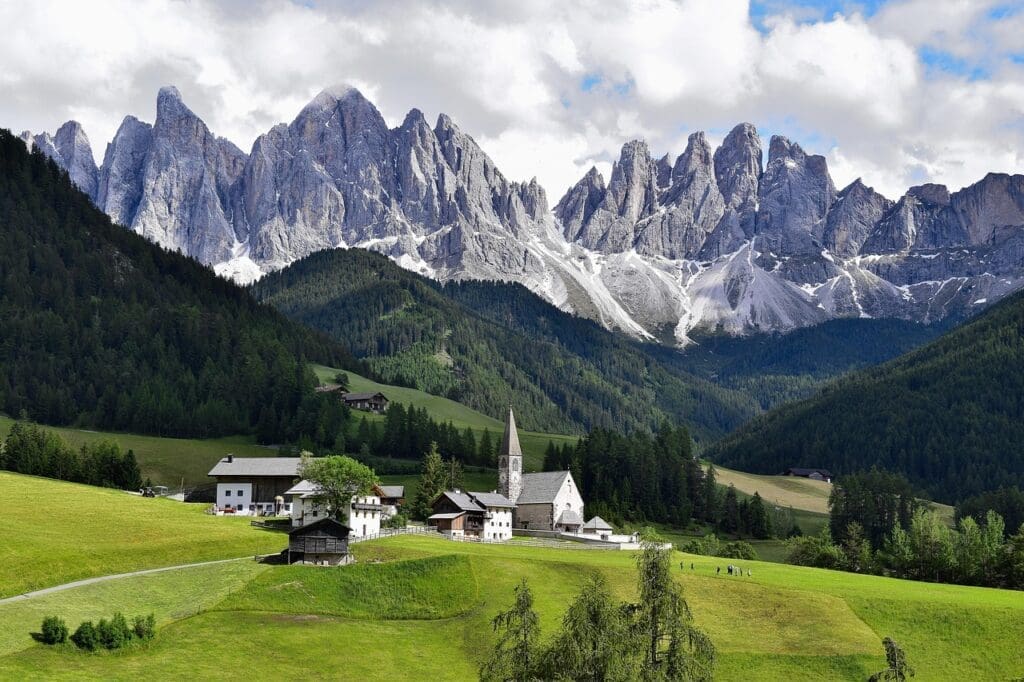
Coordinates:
(948,416)
(100,328)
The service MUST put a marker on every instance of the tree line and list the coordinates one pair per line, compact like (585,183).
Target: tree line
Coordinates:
(877,526)
(29,449)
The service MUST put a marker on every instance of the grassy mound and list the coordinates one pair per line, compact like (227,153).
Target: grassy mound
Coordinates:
(414,589)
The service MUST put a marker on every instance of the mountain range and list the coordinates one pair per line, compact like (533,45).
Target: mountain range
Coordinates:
(714,241)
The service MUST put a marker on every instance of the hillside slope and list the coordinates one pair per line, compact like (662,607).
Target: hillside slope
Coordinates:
(103,329)
(948,415)
(564,373)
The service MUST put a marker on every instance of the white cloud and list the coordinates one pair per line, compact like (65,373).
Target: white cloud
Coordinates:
(511,74)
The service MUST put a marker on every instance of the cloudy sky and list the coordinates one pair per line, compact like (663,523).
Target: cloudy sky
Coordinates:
(898,92)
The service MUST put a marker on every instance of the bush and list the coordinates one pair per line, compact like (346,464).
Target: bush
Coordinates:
(54,630)
(738,549)
(115,633)
(397,521)
(85,636)
(144,627)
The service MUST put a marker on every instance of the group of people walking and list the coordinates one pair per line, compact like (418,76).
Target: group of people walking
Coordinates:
(730,569)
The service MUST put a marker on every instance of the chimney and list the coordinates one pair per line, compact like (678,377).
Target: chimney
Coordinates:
(231,458)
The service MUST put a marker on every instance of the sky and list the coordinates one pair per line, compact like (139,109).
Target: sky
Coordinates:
(895,92)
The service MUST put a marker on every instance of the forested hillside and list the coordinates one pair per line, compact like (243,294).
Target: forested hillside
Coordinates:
(102,329)
(948,416)
(485,344)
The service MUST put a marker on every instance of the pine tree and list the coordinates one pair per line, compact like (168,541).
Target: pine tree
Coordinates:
(514,656)
(710,495)
(432,483)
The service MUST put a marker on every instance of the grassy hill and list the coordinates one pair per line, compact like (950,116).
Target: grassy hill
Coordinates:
(419,608)
(948,416)
(52,532)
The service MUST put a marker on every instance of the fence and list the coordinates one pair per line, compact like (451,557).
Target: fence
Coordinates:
(390,532)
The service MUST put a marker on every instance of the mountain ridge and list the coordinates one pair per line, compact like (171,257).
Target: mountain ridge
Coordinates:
(716,241)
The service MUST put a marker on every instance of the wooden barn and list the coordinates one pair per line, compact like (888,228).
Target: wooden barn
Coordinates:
(323,543)
(368,402)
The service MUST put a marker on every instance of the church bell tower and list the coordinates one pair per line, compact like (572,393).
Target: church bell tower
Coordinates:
(510,462)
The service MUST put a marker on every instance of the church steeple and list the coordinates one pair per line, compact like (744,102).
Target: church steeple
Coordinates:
(510,461)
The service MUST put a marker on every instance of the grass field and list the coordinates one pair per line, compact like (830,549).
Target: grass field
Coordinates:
(53,532)
(419,608)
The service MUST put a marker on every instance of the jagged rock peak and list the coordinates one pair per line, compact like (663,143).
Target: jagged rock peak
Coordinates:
(931,193)
(664,167)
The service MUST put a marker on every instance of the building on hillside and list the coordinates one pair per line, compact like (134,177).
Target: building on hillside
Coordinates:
(368,402)
(323,543)
(364,517)
(254,486)
(813,474)
(547,500)
(487,516)
(599,527)
(392,498)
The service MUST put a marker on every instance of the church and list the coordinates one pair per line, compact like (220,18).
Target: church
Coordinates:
(547,500)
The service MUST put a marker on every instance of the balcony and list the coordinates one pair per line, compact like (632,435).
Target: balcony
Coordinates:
(367,506)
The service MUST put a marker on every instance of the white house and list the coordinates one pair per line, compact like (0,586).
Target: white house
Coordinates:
(484,515)
(365,512)
(254,486)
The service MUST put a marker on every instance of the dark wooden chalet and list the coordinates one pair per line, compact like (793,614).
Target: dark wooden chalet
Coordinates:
(324,542)
(814,474)
(368,402)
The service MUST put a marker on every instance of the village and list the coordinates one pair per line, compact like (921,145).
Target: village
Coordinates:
(545,505)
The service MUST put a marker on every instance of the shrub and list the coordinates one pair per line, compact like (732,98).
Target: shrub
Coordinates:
(54,630)
(115,633)
(85,636)
(144,627)
(738,549)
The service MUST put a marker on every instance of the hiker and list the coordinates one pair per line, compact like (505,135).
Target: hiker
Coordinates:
(729,569)
(749,573)
(691,566)
(718,570)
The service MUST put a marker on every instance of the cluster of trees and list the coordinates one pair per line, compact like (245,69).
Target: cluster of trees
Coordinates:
(600,639)
(481,342)
(32,450)
(436,476)
(876,526)
(407,432)
(1007,502)
(115,633)
(103,329)
(947,415)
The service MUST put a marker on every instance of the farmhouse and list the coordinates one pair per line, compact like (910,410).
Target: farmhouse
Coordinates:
(487,516)
(254,486)
(391,498)
(368,402)
(365,513)
(324,543)
(547,500)
(813,474)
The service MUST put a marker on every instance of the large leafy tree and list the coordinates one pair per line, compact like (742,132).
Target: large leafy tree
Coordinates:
(338,479)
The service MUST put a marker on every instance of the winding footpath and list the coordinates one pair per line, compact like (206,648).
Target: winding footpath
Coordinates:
(116,576)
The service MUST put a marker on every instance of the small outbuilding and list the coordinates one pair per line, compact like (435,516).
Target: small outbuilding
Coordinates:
(323,543)
(597,526)
(813,474)
(368,402)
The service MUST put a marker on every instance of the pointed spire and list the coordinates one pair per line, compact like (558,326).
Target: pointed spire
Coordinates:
(510,442)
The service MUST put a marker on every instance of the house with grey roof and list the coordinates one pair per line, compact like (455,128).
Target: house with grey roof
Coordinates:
(547,500)
(254,486)
(363,516)
(487,516)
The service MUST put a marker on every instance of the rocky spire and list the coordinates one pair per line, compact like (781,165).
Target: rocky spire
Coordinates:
(737,165)
(795,195)
(852,217)
(575,208)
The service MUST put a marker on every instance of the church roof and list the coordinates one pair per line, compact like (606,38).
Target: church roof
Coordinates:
(541,487)
(510,441)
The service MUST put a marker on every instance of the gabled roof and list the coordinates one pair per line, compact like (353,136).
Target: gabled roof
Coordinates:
(326,523)
(444,517)
(363,396)
(510,441)
(541,487)
(462,501)
(392,490)
(257,466)
(597,523)
(800,471)
(569,518)
(492,499)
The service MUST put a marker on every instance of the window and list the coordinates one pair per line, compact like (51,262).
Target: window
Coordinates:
(227,493)
(240,493)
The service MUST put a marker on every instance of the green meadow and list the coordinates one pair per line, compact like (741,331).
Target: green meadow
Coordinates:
(52,532)
(416,607)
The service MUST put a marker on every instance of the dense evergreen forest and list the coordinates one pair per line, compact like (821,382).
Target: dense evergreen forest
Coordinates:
(948,416)
(566,374)
(100,328)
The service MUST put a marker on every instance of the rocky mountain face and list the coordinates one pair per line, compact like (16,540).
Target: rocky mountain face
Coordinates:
(716,240)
